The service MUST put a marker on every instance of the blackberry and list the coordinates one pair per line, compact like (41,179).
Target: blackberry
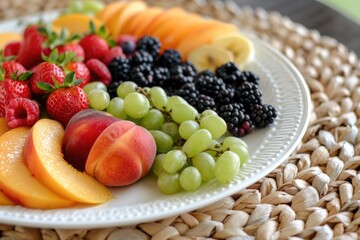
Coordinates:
(187,91)
(119,68)
(262,114)
(142,75)
(181,74)
(248,94)
(249,76)
(149,44)
(207,83)
(161,76)
(224,96)
(203,102)
(141,58)
(229,73)
(112,88)
(238,122)
(169,58)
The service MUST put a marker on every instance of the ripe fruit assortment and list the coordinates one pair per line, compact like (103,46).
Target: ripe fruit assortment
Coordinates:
(126,95)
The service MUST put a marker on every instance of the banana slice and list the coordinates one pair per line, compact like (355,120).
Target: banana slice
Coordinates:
(209,57)
(240,46)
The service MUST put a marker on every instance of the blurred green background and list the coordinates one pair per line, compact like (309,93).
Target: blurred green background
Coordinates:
(351,8)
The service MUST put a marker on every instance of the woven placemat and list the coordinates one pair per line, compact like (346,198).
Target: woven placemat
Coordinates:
(315,194)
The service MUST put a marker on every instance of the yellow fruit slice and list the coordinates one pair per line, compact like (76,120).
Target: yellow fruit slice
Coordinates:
(109,10)
(204,37)
(3,126)
(4,200)
(45,160)
(240,46)
(208,57)
(16,181)
(6,38)
(117,21)
(76,22)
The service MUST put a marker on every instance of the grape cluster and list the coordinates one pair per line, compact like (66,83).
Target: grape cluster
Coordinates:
(189,150)
(224,91)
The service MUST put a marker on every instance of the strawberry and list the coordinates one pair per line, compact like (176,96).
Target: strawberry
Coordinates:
(31,48)
(81,72)
(12,49)
(11,67)
(111,54)
(72,47)
(99,71)
(65,100)
(13,87)
(96,43)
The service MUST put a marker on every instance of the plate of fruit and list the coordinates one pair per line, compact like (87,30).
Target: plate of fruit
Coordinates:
(111,117)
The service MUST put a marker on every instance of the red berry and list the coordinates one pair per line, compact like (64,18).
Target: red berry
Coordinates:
(10,67)
(81,72)
(46,72)
(99,71)
(22,112)
(111,54)
(94,46)
(12,49)
(72,47)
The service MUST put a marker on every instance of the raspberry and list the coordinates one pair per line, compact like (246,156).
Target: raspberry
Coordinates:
(22,112)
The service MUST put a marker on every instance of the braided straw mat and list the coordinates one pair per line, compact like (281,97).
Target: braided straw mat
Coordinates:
(315,194)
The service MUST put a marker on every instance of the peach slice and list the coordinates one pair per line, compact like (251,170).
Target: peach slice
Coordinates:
(109,10)
(46,162)
(8,37)
(206,36)
(140,20)
(16,181)
(117,21)
(145,18)
(4,200)
(161,18)
(185,29)
(76,22)
(3,126)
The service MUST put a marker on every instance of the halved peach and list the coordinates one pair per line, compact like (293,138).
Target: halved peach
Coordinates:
(203,37)
(140,19)
(3,126)
(4,200)
(117,21)
(76,23)
(45,161)
(17,182)
(161,18)
(109,10)
(8,37)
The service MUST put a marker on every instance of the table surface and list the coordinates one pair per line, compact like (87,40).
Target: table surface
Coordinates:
(315,15)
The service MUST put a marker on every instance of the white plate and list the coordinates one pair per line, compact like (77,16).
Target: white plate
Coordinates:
(282,86)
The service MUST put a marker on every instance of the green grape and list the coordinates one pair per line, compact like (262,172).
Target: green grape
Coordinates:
(157,168)
(190,179)
(242,152)
(205,163)
(227,166)
(187,128)
(76,6)
(136,105)
(181,112)
(94,85)
(232,141)
(125,88)
(208,112)
(171,101)
(99,99)
(169,183)
(158,97)
(171,129)
(197,143)
(215,124)
(163,141)
(116,108)
(153,120)
(174,160)
(213,148)
(134,120)
(92,6)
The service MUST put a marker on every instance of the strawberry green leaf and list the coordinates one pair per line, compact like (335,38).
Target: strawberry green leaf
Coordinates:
(24,76)
(45,86)
(69,79)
